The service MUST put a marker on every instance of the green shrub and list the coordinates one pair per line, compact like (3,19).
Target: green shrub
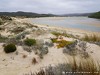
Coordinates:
(54,40)
(30,42)
(61,43)
(10,48)
(61,34)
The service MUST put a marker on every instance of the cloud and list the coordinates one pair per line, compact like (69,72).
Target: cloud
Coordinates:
(51,6)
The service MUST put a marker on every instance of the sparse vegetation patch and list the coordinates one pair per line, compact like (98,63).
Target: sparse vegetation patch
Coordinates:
(84,67)
(62,34)
(18,30)
(2,38)
(77,48)
(61,43)
(30,42)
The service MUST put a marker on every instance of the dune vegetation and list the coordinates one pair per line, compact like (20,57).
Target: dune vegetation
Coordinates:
(84,67)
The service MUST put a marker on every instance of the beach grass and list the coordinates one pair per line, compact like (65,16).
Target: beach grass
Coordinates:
(91,38)
(84,67)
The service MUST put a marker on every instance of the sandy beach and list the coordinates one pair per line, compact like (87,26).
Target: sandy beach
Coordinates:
(15,64)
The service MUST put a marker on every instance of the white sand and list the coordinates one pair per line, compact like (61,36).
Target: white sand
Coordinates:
(12,64)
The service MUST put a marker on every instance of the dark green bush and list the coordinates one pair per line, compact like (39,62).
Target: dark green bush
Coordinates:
(10,48)
(30,42)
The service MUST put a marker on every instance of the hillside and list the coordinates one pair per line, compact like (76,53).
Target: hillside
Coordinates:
(32,14)
(95,15)
(24,14)
(77,14)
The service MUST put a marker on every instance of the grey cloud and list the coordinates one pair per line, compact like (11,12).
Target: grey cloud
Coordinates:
(51,6)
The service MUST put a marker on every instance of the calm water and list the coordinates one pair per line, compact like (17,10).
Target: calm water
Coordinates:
(83,23)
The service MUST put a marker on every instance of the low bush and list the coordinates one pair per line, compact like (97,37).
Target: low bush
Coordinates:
(43,51)
(30,42)
(10,48)
(77,48)
(61,43)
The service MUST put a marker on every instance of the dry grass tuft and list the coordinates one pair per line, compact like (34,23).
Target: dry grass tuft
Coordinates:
(34,61)
(91,38)
(24,56)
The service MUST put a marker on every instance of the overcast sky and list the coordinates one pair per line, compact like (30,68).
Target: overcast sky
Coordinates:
(50,6)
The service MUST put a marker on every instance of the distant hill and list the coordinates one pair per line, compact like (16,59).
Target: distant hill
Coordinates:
(32,15)
(95,15)
(24,14)
(78,14)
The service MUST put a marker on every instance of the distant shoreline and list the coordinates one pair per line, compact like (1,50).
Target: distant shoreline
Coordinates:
(72,30)
(60,18)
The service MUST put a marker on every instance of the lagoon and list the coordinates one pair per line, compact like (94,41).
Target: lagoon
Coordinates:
(83,23)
